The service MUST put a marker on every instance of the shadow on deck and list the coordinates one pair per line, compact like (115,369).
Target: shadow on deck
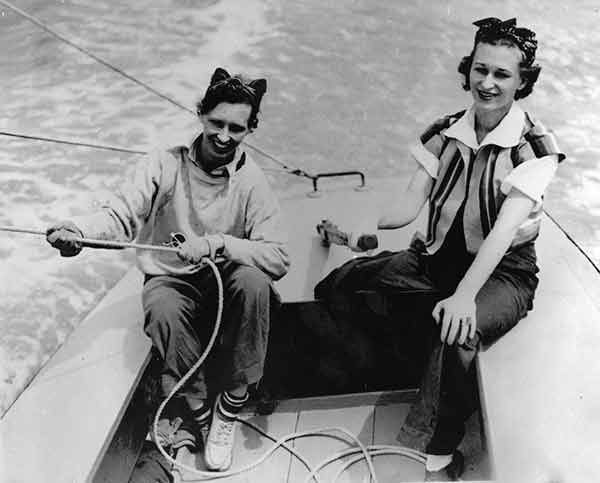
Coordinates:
(322,373)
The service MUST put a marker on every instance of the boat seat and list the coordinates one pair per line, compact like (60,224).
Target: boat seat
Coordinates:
(311,260)
(539,383)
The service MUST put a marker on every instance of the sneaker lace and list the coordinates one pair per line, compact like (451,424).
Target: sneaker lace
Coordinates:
(224,432)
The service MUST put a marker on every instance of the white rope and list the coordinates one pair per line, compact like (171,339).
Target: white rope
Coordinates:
(366,452)
(185,378)
(192,370)
(379,451)
(373,450)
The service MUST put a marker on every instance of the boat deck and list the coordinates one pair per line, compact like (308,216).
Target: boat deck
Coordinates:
(538,383)
(374,417)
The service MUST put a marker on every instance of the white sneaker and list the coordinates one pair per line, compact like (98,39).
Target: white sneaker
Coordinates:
(218,448)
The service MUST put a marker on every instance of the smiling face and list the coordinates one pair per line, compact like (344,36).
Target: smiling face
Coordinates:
(495,77)
(224,128)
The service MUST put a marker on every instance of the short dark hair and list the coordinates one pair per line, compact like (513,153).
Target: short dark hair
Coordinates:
(233,89)
(529,73)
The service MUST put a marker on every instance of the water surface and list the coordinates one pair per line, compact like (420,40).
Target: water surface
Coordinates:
(351,83)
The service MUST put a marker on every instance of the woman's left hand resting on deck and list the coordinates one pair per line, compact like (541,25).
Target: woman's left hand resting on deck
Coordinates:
(63,236)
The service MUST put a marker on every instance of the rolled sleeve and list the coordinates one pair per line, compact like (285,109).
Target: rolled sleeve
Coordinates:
(531,177)
(425,158)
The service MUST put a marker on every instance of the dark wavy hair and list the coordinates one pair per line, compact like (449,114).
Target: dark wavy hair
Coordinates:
(528,69)
(235,90)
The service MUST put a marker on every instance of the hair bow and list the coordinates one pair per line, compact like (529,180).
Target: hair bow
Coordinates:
(492,28)
(222,78)
(494,21)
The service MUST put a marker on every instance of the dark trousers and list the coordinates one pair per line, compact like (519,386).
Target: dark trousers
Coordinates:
(447,395)
(180,313)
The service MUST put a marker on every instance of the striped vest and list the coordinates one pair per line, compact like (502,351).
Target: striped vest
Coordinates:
(474,178)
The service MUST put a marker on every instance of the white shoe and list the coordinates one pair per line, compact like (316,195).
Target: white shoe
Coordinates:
(218,448)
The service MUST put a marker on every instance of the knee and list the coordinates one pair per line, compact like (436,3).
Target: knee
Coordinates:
(250,282)
(161,311)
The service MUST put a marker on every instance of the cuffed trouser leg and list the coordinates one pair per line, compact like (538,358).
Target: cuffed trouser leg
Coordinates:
(151,466)
(447,393)
(180,313)
(178,322)
(457,399)
(436,422)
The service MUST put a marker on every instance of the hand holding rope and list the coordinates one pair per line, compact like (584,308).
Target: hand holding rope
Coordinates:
(358,451)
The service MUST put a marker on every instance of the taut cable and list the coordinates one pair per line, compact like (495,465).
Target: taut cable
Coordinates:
(96,243)
(71,142)
(62,38)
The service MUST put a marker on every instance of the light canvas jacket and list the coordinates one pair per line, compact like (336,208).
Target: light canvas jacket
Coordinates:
(168,192)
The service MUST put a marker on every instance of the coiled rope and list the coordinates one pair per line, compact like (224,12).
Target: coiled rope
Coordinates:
(365,452)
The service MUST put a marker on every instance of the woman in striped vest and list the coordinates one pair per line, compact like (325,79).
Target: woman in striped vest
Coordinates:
(482,173)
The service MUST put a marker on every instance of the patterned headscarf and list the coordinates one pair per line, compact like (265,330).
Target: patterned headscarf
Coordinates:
(492,28)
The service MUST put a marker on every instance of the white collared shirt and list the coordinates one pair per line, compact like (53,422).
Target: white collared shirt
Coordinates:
(228,168)
(518,154)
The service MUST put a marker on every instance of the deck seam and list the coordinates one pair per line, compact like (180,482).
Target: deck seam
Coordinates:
(291,459)
(375,406)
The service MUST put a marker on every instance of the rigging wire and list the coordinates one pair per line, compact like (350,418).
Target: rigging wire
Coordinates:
(89,144)
(296,171)
(285,167)
(86,144)
(90,54)
(291,170)
(148,87)
(572,240)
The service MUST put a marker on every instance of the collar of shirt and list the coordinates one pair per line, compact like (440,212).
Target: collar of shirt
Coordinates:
(225,170)
(506,134)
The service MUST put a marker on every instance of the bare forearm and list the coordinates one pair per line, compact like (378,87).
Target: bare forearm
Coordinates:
(514,211)
(489,255)
(407,207)
(405,212)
